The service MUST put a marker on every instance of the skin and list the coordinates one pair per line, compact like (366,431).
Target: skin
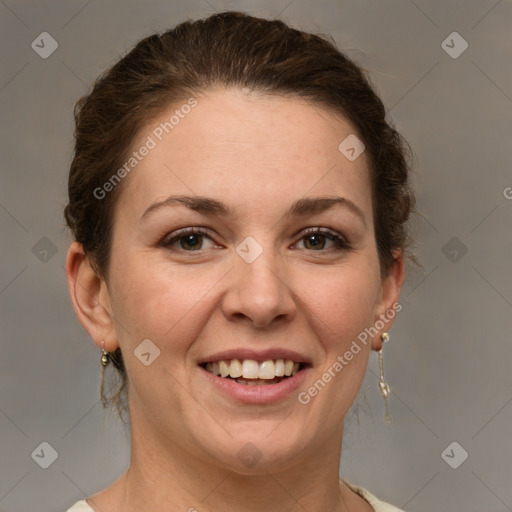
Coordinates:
(257,154)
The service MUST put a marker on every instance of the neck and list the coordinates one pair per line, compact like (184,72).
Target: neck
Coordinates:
(168,479)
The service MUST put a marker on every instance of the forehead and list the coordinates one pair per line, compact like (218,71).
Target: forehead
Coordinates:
(245,149)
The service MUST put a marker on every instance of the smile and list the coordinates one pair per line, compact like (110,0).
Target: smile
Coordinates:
(252,373)
(251,376)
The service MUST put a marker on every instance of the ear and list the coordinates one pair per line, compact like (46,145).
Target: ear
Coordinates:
(90,298)
(388,305)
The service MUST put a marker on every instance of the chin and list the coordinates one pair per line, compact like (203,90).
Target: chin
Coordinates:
(255,447)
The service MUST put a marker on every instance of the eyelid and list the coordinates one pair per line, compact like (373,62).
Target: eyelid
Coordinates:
(323,231)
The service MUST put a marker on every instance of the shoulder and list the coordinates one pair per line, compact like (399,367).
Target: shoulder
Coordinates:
(378,506)
(80,506)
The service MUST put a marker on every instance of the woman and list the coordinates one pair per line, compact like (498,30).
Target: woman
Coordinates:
(239,207)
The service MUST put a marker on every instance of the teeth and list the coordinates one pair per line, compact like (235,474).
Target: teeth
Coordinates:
(223,368)
(251,369)
(235,369)
(247,382)
(267,370)
(279,367)
(255,382)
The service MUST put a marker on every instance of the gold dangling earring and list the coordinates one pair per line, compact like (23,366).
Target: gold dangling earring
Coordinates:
(105,356)
(105,359)
(384,387)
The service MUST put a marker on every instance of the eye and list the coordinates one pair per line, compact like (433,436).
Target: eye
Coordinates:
(189,239)
(316,239)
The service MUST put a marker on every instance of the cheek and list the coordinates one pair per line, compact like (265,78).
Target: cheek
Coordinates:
(342,307)
(162,303)
(344,304)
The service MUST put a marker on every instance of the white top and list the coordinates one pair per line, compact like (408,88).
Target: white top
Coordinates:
(378,506)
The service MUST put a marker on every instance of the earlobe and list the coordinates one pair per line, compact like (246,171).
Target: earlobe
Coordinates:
(388,305)
(90,298)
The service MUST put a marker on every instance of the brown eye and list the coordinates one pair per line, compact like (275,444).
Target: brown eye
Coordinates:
(316,239)
(193,242)
(188,240)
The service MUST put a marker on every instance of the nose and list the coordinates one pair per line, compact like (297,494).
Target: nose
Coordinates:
(259,293)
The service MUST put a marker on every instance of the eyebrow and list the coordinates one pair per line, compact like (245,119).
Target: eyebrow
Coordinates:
(213,207)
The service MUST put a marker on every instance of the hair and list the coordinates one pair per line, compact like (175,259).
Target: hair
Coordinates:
(228,49)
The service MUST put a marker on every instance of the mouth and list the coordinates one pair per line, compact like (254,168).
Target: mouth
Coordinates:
(250,372)
(256,377)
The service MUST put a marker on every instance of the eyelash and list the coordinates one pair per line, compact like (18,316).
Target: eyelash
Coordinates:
(340,242)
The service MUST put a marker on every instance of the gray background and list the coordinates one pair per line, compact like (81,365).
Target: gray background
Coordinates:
(449,358)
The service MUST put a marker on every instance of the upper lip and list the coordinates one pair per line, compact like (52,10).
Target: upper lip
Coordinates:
(256,355)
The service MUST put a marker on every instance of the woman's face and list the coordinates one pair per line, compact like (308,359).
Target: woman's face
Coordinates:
(251,279)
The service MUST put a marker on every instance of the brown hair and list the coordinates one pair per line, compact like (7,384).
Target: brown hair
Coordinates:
(229,49)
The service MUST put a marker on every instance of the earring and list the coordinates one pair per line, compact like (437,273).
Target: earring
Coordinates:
(104,356)
(384,387)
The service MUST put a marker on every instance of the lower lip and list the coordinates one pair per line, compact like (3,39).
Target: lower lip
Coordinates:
(261,394)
